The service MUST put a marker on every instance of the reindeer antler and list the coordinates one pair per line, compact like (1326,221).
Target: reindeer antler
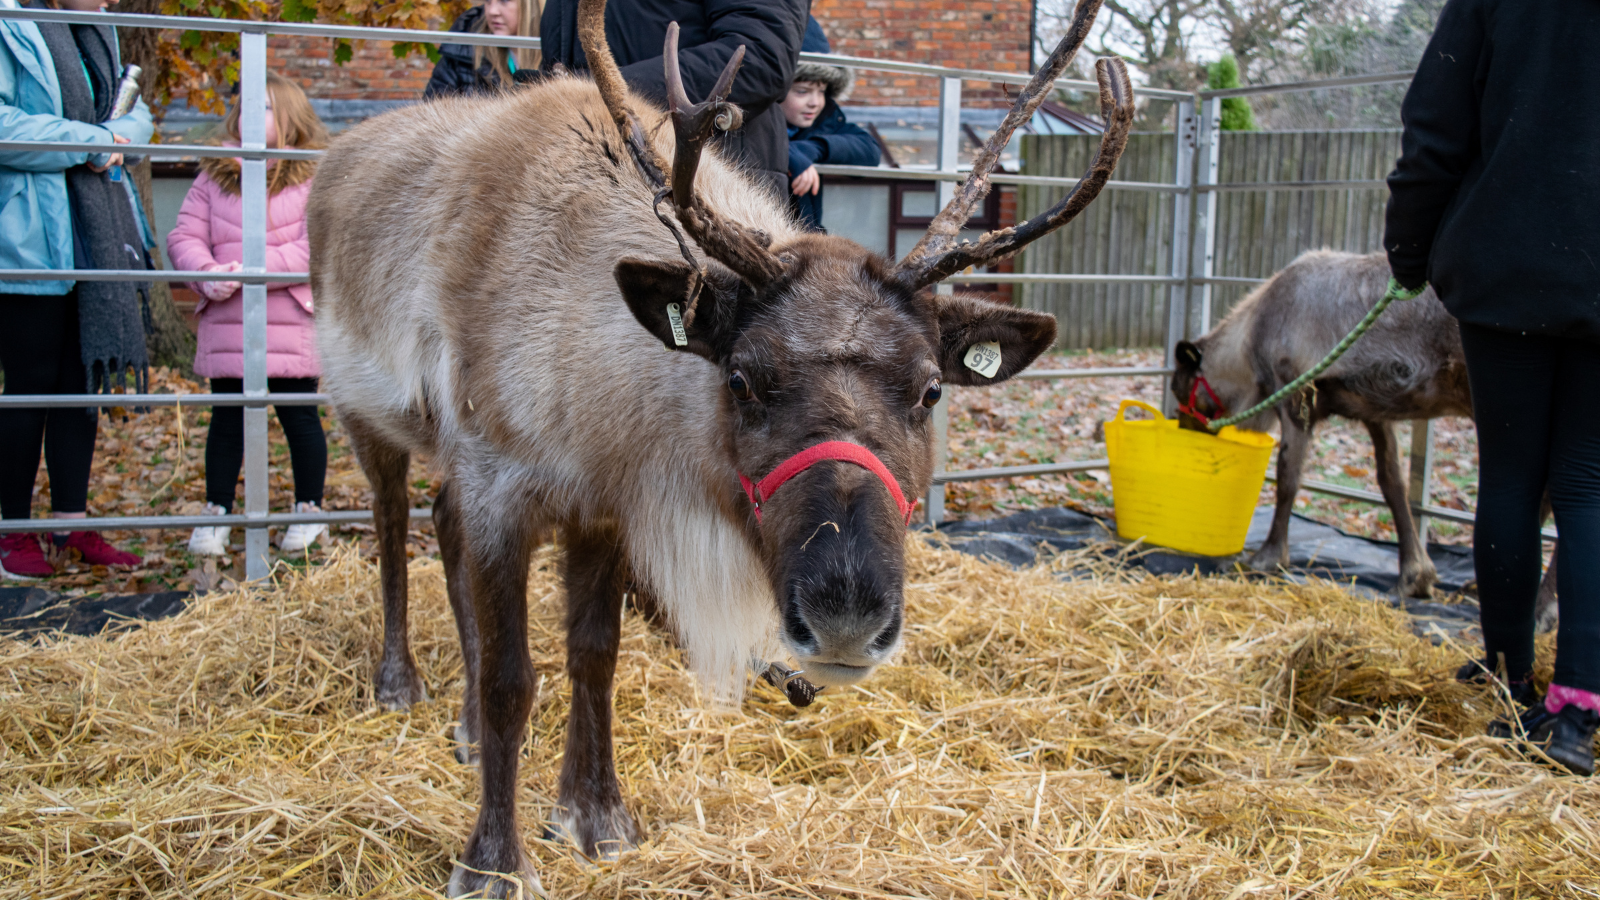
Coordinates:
(741,249)
(938,256)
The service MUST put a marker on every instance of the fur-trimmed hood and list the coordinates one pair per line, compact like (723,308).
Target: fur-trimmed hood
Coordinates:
(281,173)
(839,80)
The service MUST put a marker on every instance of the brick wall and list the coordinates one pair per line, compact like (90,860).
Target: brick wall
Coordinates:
(980,34)
(373,74)
(985,34)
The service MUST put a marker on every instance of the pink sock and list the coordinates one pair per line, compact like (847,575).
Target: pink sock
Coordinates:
(1558,697)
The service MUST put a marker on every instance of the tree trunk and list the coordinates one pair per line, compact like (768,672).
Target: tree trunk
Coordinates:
(171,343)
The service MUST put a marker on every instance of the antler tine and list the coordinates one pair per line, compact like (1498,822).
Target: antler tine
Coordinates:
(692,123)
(614,91)
(946,226)
(1116,108)
(739,248)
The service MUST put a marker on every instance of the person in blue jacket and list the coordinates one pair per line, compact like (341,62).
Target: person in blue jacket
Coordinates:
(818,130)
(63,210)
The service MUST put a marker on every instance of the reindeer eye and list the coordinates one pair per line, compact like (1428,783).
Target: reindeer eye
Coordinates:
(739,385)
(930,397)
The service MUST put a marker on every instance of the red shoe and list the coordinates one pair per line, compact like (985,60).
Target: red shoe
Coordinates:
(20,557)
(96,552)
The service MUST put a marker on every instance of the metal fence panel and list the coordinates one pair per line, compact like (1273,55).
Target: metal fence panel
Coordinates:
(1258,230)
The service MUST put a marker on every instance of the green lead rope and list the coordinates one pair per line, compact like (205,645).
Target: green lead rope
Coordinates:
(1395,292)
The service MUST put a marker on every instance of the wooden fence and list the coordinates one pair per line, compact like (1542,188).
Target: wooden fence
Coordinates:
(1258,232)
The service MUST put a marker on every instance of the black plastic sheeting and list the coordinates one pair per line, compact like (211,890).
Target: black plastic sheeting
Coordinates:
(1367,567)
(34,610)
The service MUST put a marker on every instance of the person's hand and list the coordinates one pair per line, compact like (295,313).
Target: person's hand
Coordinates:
(807,182)
(218,291)
(114,159)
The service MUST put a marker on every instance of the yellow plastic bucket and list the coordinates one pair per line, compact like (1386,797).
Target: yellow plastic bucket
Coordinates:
(1187,490)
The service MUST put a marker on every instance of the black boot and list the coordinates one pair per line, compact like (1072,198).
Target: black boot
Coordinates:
(1525,702)
(1566,737)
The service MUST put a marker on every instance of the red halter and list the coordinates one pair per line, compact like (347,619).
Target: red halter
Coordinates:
(844,451)
(1191,409)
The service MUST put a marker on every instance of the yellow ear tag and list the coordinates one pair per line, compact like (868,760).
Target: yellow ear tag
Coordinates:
(984,358)
(675,316)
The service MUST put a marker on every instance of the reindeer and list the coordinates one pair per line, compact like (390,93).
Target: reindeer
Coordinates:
(496,292)
(1408,366)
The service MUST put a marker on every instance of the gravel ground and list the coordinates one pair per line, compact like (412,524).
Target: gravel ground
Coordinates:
(147,464)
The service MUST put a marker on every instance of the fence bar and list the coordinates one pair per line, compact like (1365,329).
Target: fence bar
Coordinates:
(1421,474)
(944,191)
(1237,186)
(1113,372)
(132,523)
(194,401)
(1054,278)
(1229,279)
(161,151)
(1021,471)
(996,178)
(359,33)
(889,65)
(1182,221)
(253,197)
(149,275)
(1202,260)
(1290,87)
(242,26)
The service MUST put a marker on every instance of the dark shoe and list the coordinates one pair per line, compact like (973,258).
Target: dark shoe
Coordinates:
(95,551)
(1526,702)
(1475,672)
(1567,737)
(20,557)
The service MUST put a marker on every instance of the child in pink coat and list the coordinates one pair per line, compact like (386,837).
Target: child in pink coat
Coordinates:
(209,237)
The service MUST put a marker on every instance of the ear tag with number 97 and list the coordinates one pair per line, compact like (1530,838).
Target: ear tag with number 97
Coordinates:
(984,358)
(675,317)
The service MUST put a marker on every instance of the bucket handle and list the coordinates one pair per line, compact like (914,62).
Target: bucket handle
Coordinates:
(1142,405)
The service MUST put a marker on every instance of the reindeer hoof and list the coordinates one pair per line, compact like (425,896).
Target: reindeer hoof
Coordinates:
(1268,559)
(466,746)
(602,833)
(465,881)
(1419,584)
(399,685)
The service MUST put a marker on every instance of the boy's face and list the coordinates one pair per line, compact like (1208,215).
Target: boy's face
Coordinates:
(804,103)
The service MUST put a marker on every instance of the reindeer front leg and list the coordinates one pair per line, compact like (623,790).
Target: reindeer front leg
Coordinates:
(497,565)
(590,812)
(1274,553)
(1417,574)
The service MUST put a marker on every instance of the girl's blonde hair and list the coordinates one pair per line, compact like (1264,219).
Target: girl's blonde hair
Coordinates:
(298,128)
(298,125)
(528,13)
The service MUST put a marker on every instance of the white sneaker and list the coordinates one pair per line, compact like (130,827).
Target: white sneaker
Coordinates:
(300,537)
(210,541)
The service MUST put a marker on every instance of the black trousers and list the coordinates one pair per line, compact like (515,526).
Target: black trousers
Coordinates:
(39,353)
(302,427)
(1533,398)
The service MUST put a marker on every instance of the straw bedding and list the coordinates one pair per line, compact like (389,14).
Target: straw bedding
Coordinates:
(1117,736)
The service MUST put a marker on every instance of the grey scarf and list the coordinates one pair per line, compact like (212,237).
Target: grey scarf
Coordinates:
(112,315)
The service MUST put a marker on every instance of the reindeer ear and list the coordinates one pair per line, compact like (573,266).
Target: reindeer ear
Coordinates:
(657,294)
(984,343)
(1187,355)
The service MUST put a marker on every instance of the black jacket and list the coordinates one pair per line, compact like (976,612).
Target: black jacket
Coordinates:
(454,74)
(711,30)
(831,139)
(1496,197)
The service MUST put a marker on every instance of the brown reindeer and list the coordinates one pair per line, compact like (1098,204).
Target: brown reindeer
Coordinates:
(589,322)
(1408,366)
